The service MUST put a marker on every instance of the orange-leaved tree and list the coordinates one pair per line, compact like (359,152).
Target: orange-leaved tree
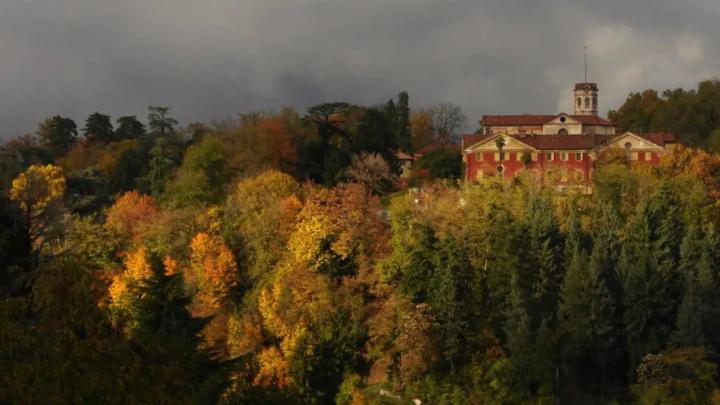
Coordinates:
(213,272)
(131,212)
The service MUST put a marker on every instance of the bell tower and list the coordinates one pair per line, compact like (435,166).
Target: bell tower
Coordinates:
(586,99)
(586,102)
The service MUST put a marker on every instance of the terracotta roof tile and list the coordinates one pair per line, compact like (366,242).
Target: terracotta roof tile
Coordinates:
(570,142)
(436,147)
(471,139)
(658,138)
(531,119)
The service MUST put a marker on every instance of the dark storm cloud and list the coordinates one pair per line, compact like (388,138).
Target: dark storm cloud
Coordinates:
(211,59)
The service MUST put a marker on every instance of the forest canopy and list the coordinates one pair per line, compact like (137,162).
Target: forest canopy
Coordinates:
(282,257)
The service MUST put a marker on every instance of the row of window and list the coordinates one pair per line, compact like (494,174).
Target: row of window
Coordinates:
(563,175)
(551,156)
(518,156)
(636,156)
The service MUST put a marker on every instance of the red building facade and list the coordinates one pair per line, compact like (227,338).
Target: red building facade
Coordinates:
(563,160)
(556,149)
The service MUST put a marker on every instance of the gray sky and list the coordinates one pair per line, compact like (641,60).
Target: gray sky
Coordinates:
(214,58)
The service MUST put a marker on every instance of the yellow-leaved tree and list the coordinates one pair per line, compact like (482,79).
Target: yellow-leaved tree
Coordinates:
(314,307)
(39,193)
(213,272)
(123,290)
(262,210)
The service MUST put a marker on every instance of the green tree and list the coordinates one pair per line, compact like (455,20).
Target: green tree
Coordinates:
(129,128)
(58,134)
(57,346)
(650,300)
(98,128)
(403,138)
(160,122)
(682,376)
(201,177)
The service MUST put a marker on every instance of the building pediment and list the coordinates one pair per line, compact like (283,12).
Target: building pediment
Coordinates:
(563,119)
(490,144)
(631,141)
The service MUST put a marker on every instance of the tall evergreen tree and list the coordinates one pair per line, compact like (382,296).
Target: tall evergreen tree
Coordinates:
(541,269)
(404,136)
(98,128)
(129,128)
(168,336)
(450,297)
(650,302)
(697,319)
(58,134)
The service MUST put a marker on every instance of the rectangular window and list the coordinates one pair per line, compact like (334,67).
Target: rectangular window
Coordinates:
(648,156)
(564,156)
(633,156)
(534,156)
(479,156)
(578,156)
(497,156)
(549,156)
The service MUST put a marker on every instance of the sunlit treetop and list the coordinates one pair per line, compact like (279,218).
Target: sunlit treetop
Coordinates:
(38,187)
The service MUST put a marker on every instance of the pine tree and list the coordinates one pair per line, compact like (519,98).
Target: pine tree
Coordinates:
(404,137)
(697,316)
(519,338)
(98,128)
(168,337)
(650,303)
(541,269)
(451,295)
(129,128)
(592,306)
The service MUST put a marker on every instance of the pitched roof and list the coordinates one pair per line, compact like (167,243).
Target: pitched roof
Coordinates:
(534,119)
(570,142)
(436,147)
(400,155)
(658,138)
(563,142)
(472,139)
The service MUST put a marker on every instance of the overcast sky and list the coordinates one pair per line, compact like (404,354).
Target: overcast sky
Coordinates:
(211,59)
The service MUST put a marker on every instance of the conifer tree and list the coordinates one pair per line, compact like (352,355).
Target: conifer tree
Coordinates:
(168,336)
(519,338)
(650,304)
(697,318)
(541,241)
(98,128)
(450,297)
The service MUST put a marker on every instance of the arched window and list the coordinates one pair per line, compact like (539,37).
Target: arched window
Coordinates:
(594,102)
(587,102)
(579,102)
(562,131)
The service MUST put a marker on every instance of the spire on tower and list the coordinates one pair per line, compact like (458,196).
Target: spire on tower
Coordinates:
(586,64)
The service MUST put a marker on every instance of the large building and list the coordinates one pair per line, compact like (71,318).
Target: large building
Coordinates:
(558,149)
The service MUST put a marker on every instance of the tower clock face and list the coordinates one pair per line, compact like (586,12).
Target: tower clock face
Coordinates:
(500,169)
